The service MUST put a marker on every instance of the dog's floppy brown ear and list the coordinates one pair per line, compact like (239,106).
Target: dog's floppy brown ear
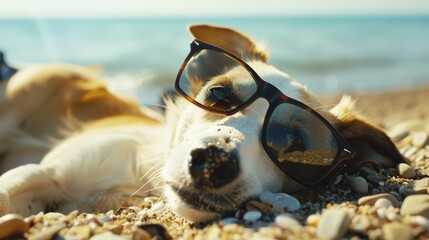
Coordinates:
(371,144)
(230,40)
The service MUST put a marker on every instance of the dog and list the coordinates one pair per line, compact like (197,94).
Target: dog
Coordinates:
(67,142)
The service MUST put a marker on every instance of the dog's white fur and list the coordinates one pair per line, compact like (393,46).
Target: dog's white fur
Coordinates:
(68,143)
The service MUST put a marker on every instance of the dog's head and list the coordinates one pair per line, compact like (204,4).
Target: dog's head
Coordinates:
(217,162)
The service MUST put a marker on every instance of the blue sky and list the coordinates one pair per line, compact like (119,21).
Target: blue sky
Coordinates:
(213,8)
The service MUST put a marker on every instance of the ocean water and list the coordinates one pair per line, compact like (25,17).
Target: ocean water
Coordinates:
(330,55)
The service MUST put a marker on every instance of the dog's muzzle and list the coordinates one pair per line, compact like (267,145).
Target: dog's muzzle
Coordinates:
(213,167)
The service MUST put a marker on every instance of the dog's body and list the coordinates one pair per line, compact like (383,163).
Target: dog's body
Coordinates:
(67,142)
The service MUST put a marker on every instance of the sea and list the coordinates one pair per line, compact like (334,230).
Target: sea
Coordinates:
(142,55)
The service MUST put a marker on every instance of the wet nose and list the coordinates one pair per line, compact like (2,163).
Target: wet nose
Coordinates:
(213,166)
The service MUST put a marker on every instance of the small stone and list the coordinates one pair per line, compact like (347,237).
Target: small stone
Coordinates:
(403,129)
(333,224)
(382,203)
(110,236)
(252,216)
(410,152)
(229,220)
(421,221)
(96,220)
(12,225)
(394,231)
(419,139)
(313,220)
(142,215)
(393,217)
(53,216)
(113,227)
(105,219)
(420,186)
(78,232)
(131,215)
(360,223)
(375,234)
(416,205)
(406,171)
(381,213)
(371,175)
(371,200)
(358,184)
(47,233)
(286,222)
(280,200)
(397,196)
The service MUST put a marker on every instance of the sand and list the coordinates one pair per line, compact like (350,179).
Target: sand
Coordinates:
(390,107)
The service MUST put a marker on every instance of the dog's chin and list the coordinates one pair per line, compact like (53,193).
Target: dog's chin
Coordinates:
(186,211)
(203,206)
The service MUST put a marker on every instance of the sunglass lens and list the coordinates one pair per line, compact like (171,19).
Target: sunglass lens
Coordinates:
(217,81)
(301,143)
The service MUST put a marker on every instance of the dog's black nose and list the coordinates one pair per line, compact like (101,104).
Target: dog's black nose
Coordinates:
(213,166)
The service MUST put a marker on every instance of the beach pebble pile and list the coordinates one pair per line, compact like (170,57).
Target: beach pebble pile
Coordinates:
(371,204)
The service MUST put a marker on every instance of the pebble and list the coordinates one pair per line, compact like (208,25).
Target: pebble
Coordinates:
(410,152)
(280,200)
(383,203)
(105,219)
(358,184)
(371,200)
(47,233)
(372,176)
(416,205)
(229,220)
(285,221)
(333,224)
(360,223)
(110,236)
(131,215)
(313,220)
(252,216)
(406,171)
(419,139)
(113,227)
(12,224)
(415,187)
(381,213)
(78,232)
(394,231)
(421,221)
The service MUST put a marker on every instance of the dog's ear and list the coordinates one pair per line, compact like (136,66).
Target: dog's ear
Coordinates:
(231,40)
(372,145)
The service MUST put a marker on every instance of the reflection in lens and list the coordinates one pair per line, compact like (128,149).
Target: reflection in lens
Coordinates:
(217,81)
(303,145)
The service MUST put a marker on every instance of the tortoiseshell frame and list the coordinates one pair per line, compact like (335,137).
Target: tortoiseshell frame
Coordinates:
(274,97)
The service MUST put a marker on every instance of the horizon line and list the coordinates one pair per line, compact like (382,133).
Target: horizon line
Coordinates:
(324,15)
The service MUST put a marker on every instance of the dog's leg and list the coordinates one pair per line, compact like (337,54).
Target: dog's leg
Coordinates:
(27,190)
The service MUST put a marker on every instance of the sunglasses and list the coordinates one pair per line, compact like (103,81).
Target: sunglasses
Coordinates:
(302,143)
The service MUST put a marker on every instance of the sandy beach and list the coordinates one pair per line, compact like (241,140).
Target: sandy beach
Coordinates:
(391,107)
(338,211)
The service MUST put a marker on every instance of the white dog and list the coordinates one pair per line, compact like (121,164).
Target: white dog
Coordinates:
(68,143)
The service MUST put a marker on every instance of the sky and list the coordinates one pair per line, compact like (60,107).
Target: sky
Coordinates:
(209,8)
